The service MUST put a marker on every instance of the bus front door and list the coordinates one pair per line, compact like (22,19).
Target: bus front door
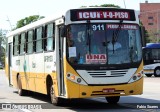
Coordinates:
(10,64)
(61,85)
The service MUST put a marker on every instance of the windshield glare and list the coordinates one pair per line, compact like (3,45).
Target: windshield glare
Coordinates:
(103,44)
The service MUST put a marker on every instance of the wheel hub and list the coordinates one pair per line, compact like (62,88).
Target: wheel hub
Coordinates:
(158,72)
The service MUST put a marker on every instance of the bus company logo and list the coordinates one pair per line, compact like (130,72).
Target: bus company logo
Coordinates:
(96,58)
(103,15)
(6,106)
(21,106)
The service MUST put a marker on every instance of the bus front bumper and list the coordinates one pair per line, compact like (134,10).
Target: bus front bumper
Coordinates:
(83,91)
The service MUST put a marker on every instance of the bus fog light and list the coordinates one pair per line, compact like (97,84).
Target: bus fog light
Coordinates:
(84,93)
(79,80)
(131,91)
(134,77)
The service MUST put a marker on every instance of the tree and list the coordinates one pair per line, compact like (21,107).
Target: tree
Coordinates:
(104,5)
(28,20)
(148,40)
(146,34)
(2,44)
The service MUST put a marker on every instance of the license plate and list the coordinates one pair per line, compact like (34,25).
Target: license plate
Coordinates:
(108,90)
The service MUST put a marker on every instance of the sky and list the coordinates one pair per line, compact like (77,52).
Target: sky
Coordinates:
(13,10)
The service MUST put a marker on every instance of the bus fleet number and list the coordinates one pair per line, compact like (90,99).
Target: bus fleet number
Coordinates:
(98,27)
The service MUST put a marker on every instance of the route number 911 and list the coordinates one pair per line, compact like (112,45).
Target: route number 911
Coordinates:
(98,27)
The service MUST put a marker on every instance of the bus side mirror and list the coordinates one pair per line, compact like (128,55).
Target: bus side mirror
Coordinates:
(142,28)
(63,31)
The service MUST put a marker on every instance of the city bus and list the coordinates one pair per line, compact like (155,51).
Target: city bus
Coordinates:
(151,57)
(85,53)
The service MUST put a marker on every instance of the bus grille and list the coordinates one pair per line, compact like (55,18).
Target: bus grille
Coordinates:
(109,73)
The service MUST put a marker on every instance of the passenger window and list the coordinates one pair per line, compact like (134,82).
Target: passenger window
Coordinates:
(39,40)
(22,44)
(16,45)
(30,42)
(50,39)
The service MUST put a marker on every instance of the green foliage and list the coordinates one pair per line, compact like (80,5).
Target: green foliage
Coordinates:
(2,56)
(146,34)
(104,5)
(110,5)
(2,49)
(140,23)
(148,40)
(28,20)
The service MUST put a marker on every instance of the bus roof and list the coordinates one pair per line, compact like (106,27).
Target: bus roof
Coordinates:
(33,25)
(53,18)
(153,45)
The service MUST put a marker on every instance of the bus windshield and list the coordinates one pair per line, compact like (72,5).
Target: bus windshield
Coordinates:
(103,43)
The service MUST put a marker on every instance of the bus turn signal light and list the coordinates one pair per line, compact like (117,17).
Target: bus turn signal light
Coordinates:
(139,75)
(73,77)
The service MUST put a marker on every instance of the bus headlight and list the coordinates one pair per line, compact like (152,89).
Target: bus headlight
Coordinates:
(79,80)
(136,77)
(75,79)
(139,75)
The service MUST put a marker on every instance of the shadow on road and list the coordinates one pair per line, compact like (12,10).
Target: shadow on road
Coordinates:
(93,103)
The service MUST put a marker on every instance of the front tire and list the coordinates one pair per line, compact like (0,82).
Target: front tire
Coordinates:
(54,100)
(157,72)
(113,99)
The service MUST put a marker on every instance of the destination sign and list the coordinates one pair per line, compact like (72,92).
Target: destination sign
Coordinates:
(123,26)
(102,14)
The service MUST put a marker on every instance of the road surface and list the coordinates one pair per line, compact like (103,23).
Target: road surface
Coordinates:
(138,103)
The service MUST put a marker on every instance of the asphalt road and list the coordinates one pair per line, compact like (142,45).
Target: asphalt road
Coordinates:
(138,103)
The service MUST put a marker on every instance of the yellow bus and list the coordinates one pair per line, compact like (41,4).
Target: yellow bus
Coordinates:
(88,52)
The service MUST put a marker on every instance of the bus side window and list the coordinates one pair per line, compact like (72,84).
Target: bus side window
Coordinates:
(22,43)
(16,45)
(30,41)
(49,37)
(13,45)
(39,39)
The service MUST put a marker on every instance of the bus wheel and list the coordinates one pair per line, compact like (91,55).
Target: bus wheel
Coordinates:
(21,91)
(113,99)
(54,100)
(157,72)
(148,75)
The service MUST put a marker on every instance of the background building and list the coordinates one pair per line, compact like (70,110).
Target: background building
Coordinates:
(150,18)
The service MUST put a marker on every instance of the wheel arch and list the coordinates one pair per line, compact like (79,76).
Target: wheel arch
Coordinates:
(49,82)
(157,67)
(17,78)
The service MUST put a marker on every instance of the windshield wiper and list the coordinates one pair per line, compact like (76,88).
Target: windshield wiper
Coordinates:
(88,36)
(116,34)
